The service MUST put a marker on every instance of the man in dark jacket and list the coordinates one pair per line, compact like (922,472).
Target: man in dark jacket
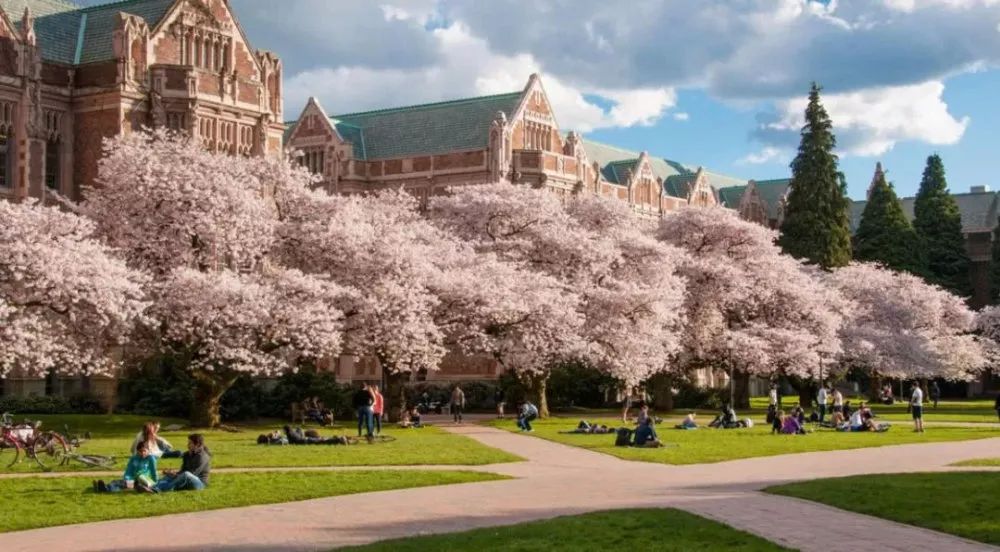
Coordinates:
(363,402)
(196,463)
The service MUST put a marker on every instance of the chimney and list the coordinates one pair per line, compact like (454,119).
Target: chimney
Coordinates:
(979,189)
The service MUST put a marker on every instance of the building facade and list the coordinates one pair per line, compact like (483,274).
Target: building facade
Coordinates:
(72,76)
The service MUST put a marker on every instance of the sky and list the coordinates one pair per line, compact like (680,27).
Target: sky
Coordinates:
(716,83)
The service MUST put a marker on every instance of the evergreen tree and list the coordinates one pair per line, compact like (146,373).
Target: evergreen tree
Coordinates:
(995,267)
(938,223)
(817,215)
(884,234)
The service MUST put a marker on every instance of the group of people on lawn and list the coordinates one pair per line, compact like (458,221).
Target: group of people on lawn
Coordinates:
(142,474)
(841,416)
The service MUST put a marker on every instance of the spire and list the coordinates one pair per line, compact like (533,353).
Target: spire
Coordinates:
(28,26)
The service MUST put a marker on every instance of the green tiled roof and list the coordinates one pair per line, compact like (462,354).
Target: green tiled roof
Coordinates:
(979,210)
(617,171)
(731,196)
(58,26)
(97,39)
(605,155)
(424,129)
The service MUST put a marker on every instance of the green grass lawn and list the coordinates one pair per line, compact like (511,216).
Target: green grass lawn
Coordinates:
(716,445)
(986,462)
(649,529)
(46,502)
(966,410)
(960,503)
(112,436)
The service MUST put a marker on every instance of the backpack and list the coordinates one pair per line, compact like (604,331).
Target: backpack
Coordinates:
(623,437)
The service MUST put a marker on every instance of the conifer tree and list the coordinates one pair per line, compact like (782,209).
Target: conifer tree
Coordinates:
(816,227)
(884,234)
(938,223)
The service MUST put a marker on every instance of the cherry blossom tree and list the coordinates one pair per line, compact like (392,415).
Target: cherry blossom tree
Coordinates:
(205,226)
(750,309)
(66,301)
(902,327)
(620,283)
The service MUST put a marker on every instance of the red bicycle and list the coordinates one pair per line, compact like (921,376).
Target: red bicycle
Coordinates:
(27,440)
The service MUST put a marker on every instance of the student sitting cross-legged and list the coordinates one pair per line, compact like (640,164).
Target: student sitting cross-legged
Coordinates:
(140,474)
(196,463)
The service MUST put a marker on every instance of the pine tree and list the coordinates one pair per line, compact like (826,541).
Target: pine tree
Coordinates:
(884,234)
(938,223)
(816,226)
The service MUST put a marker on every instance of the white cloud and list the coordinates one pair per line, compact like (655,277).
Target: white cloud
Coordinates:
(681,116)
(467,67)
(870,122)
(766,155)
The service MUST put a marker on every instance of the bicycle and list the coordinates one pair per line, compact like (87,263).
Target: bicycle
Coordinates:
(44,447)
(92,461)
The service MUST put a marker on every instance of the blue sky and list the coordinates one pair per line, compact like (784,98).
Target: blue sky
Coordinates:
(719,83)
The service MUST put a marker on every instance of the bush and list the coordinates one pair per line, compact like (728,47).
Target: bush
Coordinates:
(80,403)
(575,384)
(478,394)
(690,396)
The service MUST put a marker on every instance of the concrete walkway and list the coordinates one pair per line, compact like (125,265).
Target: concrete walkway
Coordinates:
(555,480)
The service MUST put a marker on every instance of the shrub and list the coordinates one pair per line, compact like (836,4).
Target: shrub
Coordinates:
(35,404)
(575,384)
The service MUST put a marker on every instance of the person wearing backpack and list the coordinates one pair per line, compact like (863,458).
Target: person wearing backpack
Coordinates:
(527,412)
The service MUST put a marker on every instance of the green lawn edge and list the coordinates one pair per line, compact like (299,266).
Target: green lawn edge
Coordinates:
(33,503)
(979,462)
(112,436)
(963,504)
(706,446)
(661,529)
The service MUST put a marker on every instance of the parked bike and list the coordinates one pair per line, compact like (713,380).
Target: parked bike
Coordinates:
(27,440)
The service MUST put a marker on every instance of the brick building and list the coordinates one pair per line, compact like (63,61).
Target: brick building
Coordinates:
(70,76)
(427,148)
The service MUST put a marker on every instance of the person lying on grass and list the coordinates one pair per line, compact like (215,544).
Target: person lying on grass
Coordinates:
(157,446)
(196,463)
(296,436)
(140,474)
(588,428)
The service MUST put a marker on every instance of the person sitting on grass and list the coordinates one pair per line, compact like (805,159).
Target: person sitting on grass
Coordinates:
(527,413)
(411,418)
(196,463)
(726,419)
(645,432)
(688,422)
(778,420)
(140,474)
(157,446)
(790,425)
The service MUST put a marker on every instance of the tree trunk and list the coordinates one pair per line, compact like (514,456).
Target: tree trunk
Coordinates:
(208,390)
(394,394)
(875,387)
(661,386)
(742,390)
(537,389)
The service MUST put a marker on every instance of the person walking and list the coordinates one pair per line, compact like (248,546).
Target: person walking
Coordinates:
(935,393)
(457,404)
(821,402)
(362,402)
(378,408)
(917,408)
(498,399)
(996,406)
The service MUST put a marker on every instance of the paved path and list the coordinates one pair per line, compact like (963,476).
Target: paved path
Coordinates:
(555,480)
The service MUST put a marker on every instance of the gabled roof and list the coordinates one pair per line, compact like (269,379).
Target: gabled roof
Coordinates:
(770,191)
(73,35)
(730,196)
(979,210)
(605,155)
(424,129)
(617,172)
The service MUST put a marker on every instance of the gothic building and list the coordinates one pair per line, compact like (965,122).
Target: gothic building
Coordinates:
(427,148)
(71,76)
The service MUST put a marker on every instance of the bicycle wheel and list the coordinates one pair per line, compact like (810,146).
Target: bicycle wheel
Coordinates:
(95,461)
(49,448)
(10,454)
